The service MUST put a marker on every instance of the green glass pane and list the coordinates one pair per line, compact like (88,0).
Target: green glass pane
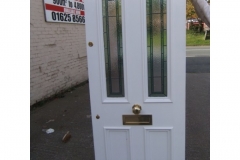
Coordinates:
(157,47)
(112,34)
(104,25)
(165,21)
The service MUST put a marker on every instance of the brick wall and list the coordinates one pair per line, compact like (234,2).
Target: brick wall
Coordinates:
(58,54)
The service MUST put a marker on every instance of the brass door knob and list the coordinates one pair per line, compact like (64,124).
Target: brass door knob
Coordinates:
(136,108)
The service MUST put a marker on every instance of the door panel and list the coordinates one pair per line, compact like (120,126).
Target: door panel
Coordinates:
(128,65)
(158,143)
(117,143)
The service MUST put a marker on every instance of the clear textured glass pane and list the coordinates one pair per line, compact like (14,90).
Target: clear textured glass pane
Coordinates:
(157,47)
(165,37)
(156,81)
(156,6)
(105,41)
(112,8)
(164,7)
(112,30)
(115,86)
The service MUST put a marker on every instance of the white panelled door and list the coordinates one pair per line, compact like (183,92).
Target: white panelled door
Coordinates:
(136,62)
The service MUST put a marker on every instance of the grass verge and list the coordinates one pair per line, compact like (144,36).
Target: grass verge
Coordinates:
(196,39)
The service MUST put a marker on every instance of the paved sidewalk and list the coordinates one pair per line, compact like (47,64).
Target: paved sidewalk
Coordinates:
(72,113)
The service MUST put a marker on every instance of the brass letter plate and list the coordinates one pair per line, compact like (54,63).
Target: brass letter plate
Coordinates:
(137,119)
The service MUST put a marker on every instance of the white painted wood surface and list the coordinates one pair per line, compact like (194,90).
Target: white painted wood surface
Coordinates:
(165,138)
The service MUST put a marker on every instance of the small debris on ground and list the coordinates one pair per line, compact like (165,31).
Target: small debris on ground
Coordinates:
(66,137)
(48,131)
(51,120)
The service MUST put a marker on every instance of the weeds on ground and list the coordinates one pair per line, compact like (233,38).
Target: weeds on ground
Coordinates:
(196,39)
(195,36)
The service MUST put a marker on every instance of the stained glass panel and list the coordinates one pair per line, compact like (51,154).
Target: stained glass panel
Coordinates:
(112,30)
(157,47)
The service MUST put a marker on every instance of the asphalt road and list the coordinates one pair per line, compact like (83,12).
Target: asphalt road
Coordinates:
(198,59)
(198,103)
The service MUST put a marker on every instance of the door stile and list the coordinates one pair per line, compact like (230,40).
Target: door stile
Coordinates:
(178,74)
(94,73)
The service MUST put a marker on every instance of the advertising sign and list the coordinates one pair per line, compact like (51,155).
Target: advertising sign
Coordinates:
(65,11)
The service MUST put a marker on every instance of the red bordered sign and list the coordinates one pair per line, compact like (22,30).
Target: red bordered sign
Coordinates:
(65,11)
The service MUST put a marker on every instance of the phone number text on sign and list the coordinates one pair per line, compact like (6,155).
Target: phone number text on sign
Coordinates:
(65,11)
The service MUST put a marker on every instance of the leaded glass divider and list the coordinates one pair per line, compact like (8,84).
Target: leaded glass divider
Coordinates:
(112,32)
(157,47)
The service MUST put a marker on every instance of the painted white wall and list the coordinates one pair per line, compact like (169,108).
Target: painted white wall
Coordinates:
(57,54)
